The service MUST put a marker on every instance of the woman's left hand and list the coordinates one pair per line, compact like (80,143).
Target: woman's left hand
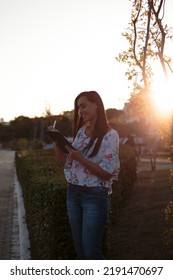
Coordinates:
(74,154)
(92,167)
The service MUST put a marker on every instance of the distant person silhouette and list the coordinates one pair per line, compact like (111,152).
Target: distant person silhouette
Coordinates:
(130,141)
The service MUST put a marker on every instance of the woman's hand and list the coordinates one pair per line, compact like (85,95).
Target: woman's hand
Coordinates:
(93,168)
(60,155)
(74,154)
(51,128)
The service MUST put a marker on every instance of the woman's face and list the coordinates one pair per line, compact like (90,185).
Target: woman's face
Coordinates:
(87,109)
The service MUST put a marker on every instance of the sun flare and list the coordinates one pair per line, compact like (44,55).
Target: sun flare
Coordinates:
(162,94)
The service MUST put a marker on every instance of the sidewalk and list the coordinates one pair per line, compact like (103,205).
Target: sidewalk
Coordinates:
(14,242)
(6,202)
(162,163)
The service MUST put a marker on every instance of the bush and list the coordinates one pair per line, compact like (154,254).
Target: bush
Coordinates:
(169,219)
(19,144)
(169,214)
(24,144)
(123,188)
(44,192)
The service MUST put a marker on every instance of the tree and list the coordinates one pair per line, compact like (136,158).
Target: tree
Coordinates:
(5,133)
(146,35)
(22,127)
(160,34)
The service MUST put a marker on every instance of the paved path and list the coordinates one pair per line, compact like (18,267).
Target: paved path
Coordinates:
(162,163)
(14,241)
(6,202)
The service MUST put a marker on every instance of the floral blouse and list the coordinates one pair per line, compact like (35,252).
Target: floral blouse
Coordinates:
(107,158)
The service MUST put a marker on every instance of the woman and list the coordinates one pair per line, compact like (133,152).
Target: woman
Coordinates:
(90,169)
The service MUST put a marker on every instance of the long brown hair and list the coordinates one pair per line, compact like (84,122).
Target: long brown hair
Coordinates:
(101,126)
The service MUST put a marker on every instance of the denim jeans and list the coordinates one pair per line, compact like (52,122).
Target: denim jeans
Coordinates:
(87,209)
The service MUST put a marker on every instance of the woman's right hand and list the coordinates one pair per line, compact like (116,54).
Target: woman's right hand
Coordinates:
(50,128)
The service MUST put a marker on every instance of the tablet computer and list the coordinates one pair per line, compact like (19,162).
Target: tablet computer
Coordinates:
(60,139)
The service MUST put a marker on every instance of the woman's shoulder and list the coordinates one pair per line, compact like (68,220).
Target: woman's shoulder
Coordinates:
(112,132)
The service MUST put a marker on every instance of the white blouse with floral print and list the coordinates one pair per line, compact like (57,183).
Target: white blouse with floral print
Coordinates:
(107,158)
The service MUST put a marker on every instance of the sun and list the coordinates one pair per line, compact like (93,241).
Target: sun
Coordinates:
(162,93)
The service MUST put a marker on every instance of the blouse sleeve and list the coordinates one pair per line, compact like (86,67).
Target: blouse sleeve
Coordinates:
(109,154)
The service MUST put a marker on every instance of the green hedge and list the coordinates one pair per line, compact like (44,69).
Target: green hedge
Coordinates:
(44,192)
(124,187)
(169,214)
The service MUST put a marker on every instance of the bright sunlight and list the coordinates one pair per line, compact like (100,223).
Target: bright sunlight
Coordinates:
(162,94)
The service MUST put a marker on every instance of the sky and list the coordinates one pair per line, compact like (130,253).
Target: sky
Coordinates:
(51,50)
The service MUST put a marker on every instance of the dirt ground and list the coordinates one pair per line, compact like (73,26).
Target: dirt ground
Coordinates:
(139,232)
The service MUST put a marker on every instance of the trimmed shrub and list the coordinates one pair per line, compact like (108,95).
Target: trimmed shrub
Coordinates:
(44,191)
(169,213)
(24,144)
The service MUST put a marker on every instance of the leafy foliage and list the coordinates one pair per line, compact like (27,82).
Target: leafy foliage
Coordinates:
(169,214)
(32,130)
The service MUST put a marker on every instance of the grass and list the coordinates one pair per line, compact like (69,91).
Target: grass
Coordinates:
(139,231)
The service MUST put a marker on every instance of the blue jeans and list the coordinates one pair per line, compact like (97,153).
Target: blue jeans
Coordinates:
(87,209)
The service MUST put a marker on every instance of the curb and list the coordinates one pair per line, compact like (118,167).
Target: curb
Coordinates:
(20,235)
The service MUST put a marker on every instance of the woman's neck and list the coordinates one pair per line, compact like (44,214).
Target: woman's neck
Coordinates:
(91,123)
(89,129)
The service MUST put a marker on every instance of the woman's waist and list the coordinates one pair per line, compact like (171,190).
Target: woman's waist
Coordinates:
(87,188)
